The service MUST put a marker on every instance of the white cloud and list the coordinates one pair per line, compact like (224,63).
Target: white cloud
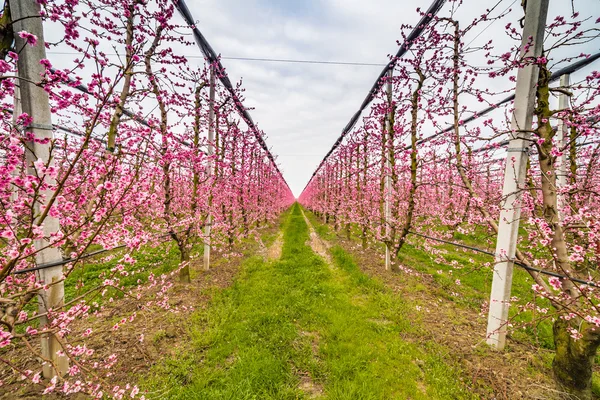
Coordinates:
(303,107)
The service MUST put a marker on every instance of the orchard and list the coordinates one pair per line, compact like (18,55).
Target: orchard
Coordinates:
(132,150)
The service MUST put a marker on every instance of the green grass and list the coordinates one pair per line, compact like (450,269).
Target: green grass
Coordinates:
(299,322)
(89,274)
(476,281)
(158,260)
(474,270)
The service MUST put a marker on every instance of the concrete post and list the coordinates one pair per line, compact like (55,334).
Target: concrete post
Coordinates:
(35,102)
(514,174)
(211,139)
(388,177)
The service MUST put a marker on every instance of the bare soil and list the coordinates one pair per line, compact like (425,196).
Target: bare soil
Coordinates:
(307,384)
(153,335)
(517,373)
(274,250)
(316,243)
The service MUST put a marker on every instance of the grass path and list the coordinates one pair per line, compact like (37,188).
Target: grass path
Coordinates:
(295,328)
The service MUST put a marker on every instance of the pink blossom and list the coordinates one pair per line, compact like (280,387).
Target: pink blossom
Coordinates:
(555,283)
(30,38)
(36,378)
(4,338)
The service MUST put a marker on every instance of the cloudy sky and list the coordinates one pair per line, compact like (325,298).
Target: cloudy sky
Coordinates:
(303,107)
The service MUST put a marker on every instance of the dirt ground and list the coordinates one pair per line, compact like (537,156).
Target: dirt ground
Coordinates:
(316,243)
(153,335)
(273,252)
(517,373)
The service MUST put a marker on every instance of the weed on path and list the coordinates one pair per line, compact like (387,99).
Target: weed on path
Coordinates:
(294,328)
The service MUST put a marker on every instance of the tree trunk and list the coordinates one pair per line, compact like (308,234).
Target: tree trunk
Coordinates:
(127,74)
(574,359)
(184,273)
(364,237)
(364,179)
(168,214)
(414,165)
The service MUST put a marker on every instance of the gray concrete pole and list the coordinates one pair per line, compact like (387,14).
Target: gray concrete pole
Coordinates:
(514,174)
(211,139)
(326,181)
(388,177)
(16,112)
(35,102)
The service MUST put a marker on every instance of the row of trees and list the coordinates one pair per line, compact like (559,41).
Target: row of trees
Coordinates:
(423,158)
(128,163)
